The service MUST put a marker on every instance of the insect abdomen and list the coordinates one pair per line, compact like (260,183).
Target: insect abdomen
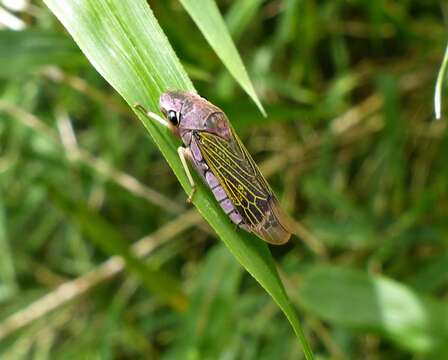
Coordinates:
(224,201)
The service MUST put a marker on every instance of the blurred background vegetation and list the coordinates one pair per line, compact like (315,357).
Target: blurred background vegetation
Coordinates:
(350,145)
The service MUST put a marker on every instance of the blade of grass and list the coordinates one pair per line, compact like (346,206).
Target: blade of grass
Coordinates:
(126,45)
(206,15)
(439,85)
(240,14)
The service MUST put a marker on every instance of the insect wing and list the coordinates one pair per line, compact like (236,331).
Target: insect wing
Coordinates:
(245,186)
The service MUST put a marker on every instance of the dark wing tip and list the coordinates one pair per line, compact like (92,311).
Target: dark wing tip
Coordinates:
(279,231)
(283,218)
(275,235)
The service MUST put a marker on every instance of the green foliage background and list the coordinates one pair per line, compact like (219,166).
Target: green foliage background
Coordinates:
(101,258)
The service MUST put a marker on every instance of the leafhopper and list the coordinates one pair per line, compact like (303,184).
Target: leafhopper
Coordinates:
(220,158)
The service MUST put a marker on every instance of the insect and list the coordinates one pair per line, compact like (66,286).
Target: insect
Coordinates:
(220,158)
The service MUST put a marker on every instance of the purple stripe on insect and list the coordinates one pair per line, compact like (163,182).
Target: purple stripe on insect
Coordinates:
(227,206)
(219,193)
(236,217)
(211,179)
(195,150)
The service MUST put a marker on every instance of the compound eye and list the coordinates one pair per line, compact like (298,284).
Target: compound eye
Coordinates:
(172,117)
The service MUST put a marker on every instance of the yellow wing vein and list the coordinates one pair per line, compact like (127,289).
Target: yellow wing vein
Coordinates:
(211,146)
(244,183)
(238,188)
(248,179)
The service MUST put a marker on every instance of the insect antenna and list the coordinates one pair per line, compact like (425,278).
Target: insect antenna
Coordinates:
(151,115)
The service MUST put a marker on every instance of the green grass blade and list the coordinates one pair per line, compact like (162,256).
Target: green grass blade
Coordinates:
(206,15)
(125,44)
(240,15)
(122,39)
(439,85)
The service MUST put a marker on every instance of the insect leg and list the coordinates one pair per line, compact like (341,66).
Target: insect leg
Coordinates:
(150,114)
(183,154)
